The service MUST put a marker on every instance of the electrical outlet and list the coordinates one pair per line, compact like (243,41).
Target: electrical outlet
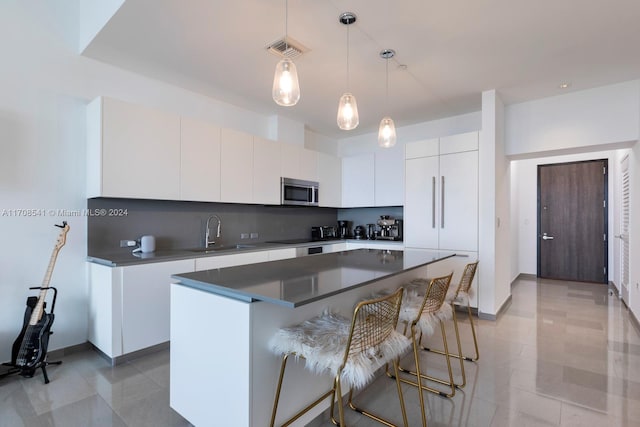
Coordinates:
(244,236)
(254,235)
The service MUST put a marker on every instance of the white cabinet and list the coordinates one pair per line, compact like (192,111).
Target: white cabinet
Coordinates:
(441,201)
(334,247)
(441,194)
(132,151)
(231,260)
(330,179)
(286,253)
(266,173)
(358,181)
(374,244)
(299,163)
(374,179)
(129,306)
(389,176)
(236,166)
(199,161)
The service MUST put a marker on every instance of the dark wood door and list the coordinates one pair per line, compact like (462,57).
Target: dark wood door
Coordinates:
(572,221)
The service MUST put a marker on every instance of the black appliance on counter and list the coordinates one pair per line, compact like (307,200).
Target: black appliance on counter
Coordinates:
(325,232)
(390,228)
(343,230)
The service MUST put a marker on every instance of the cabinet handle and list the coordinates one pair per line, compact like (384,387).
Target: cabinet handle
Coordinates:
(433,202)
(442,203)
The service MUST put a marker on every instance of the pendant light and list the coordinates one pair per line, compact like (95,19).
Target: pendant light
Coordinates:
(347,107)
(286,89)
(387,129)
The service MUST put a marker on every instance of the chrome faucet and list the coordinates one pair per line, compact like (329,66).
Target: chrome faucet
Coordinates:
(207,233)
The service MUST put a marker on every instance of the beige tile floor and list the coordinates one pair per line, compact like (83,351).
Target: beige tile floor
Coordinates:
(563,354)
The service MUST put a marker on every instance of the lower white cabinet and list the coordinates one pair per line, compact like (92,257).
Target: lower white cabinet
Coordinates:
(231,260)
(129,306)
(375,244)
(277,254)
(334,247)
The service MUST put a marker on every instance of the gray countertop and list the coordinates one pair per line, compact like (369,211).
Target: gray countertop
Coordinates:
(123,257)
(299,281)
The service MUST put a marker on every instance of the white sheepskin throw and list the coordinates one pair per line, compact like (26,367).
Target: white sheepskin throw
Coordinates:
(322,342)
(462,298)
(430,316)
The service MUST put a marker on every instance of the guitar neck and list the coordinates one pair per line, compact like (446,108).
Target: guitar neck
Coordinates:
(38,310)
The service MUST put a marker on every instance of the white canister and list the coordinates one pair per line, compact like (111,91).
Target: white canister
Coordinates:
(147,244)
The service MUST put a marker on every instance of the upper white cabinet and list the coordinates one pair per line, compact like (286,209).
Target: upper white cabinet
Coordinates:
(389,176)
(330,178)
(199,161)
(298,162)
(374,179)
(132,151)
(441,194)
(266,173)
(358,181)
(236,166)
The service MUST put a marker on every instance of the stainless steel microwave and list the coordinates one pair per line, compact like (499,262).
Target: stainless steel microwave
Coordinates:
(298,192)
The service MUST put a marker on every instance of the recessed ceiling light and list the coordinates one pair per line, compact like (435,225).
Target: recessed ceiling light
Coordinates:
(564,85)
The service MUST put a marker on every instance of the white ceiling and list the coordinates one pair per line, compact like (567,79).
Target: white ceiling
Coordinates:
(453,50)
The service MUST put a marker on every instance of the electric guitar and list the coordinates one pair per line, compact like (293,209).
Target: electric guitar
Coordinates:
(30,348)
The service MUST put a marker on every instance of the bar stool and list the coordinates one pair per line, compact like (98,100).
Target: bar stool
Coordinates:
(350,350)
(460,296)
(421,314)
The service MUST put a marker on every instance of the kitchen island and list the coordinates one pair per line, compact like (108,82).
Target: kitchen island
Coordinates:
(222,372)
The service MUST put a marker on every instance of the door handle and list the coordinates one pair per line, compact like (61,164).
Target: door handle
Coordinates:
(442,203)
(545,237)
(433,202)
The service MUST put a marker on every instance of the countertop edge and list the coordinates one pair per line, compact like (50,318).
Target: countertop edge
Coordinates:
(249,297)
(180,254)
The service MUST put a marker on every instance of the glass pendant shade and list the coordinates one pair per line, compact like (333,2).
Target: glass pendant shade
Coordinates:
(286,89)
(387,133)
(348,112)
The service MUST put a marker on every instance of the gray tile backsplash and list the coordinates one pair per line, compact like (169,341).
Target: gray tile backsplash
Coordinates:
(178,225)
(181,225)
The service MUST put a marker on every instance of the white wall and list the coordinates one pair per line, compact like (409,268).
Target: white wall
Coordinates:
(582,119)
(634,231)
(525,217)
(45,87)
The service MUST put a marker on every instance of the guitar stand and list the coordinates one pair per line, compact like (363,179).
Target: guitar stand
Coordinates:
(29,372)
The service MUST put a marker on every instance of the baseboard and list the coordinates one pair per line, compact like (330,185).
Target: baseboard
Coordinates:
(66,351)
(133,355)
(634,321)
(488,316)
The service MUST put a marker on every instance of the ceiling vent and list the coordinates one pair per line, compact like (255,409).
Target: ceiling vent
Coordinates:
(286,47)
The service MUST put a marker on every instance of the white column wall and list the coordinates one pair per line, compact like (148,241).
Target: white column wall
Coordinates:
(494,209)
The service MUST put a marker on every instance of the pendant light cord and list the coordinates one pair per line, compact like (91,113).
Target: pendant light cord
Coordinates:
(348,88)
(286,24)
(387,72)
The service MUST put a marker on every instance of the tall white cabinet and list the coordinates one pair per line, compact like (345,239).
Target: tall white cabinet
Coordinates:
(441,198)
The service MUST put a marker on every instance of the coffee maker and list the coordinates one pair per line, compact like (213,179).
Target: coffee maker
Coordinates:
(390,228)
(343,229)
